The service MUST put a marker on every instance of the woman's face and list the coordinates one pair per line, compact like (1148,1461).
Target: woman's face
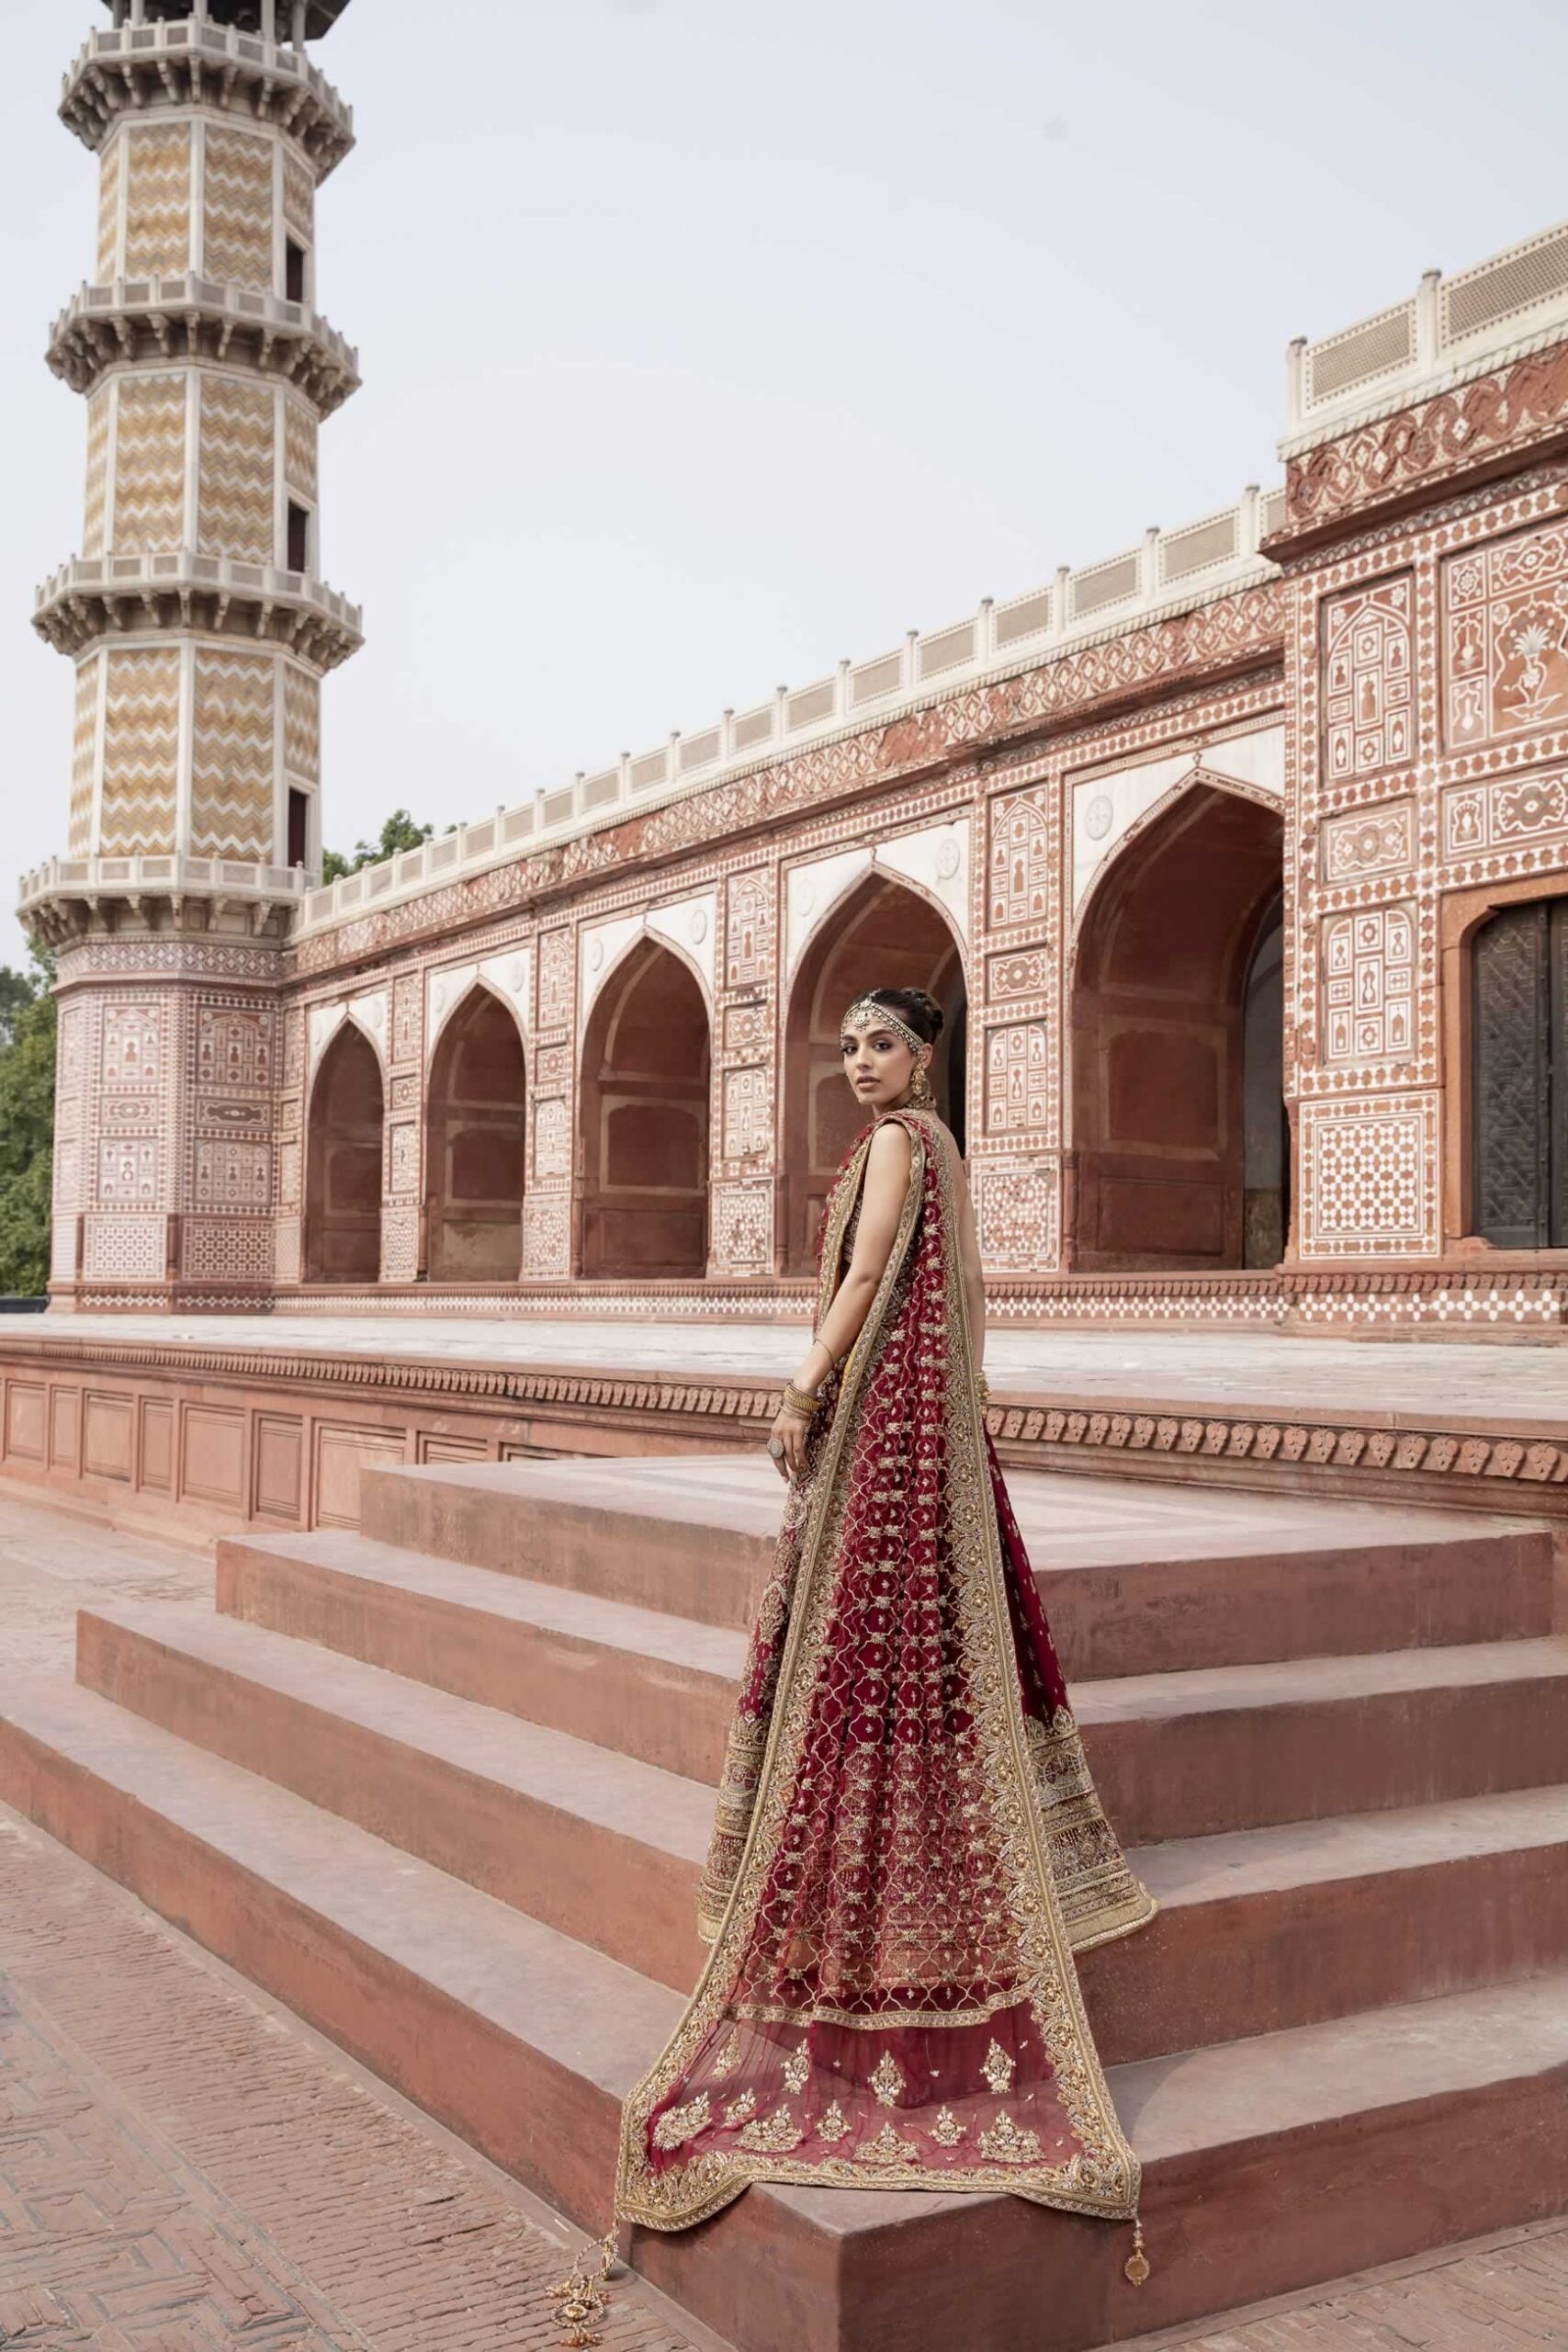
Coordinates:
(878,1065)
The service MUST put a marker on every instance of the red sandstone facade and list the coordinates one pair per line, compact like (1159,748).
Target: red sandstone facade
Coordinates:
(1215,853)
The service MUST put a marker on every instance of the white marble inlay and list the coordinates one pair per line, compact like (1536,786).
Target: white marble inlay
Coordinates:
(1105,807)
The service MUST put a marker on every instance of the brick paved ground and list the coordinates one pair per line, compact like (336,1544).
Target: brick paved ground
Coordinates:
(184,2166)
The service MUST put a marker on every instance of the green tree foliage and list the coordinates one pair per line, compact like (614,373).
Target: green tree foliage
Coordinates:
(27,1125)
(398,833)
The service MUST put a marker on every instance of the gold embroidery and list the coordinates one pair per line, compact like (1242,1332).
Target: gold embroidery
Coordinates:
(740,2109)
(797,2068)
(727,2059)
(834,2124)
(999,2069)
(778,2135)
(888,2080)
(947,2131)
(679,2124)
(1016,1926)
(1006,2145)
(888,2149)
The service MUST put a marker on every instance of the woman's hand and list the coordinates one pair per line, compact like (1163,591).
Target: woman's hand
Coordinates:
(789,1429)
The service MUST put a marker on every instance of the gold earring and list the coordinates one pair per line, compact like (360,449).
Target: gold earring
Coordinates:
(919,1085)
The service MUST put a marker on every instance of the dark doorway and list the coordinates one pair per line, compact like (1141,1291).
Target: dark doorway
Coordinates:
(474,1136)
(645,1121)
(1519,1077)
(881,934)
(343,1184)
(1171,977)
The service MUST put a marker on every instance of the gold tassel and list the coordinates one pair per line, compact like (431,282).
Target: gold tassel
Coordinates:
(581,2296)
(1136,2266)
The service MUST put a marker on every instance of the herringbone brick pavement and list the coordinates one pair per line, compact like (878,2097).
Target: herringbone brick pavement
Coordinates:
(183,2168)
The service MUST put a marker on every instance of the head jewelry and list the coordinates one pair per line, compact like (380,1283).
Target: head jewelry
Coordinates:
(866,1013)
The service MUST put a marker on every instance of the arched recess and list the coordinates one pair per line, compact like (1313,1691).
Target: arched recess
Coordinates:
(645,1111)
(1172,978)
(882,933)
(343,1179)
(474,1147)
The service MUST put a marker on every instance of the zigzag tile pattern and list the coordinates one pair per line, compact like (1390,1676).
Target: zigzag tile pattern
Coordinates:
(141,733)
(150,466)
(239,424)
(97,472)
(299,437)
(109,211)
(239,209)
(232,770)
(299,194)
(157,217)
(303,724)
(84,755)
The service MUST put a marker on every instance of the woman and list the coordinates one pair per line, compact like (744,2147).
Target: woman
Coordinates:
(908,1849)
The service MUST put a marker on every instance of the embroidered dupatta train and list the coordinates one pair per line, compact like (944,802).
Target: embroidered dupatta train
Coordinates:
(908,1846)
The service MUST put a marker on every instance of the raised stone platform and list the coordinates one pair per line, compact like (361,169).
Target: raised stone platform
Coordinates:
(444,1786)
(210,1422)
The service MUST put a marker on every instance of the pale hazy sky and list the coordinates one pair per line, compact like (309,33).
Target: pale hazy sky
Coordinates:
(705,344)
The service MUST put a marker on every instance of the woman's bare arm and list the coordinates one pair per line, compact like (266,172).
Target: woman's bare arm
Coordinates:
(974,1281)
(884,1189)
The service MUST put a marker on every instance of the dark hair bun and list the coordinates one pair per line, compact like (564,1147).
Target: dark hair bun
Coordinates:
(916,1006)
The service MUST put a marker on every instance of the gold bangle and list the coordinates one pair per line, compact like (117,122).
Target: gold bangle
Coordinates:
(803,1401)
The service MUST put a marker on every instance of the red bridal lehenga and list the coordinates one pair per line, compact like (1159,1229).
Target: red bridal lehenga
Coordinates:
(908,1850)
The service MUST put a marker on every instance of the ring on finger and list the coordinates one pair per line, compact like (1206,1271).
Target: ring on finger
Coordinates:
(776,1448)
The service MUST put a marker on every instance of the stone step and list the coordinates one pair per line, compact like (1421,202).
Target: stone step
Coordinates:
(1136,1580)
(1176,1755)
(605,1847)
(1259,1930)
(657,1687)
(1270,2163)
(1240,1746)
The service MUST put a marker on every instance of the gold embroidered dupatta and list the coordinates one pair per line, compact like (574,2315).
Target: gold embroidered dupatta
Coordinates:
(891,1999)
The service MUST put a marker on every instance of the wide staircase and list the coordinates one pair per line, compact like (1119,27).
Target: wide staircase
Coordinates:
(445,1787)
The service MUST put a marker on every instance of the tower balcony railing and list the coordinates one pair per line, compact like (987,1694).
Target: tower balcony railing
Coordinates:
(1169,572)
(132,316)
(93,594)
(121,66)
(1448,330)
(131,880)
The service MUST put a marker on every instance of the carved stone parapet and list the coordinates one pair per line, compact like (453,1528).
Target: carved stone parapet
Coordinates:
(183,62)
(111,595)
(195,318)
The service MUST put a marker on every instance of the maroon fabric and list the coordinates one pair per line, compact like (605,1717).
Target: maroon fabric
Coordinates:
(887,1893)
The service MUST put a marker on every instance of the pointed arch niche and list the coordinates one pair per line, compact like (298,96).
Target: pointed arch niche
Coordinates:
(1177,1023)
(474,1149)
(880,934)
(645,1098)
(343,1168)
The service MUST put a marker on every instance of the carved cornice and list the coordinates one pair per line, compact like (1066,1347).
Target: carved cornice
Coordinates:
(1377,1456)
(188,317)
(1450,442)
(1212,641)
(99,596)
(184,61)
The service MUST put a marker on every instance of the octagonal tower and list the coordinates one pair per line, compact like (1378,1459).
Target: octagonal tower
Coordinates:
(200,628)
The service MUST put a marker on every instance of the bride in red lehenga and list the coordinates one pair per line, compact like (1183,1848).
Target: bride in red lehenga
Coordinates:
(908,1850)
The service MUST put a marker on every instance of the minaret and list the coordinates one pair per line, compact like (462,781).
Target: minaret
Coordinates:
(200,630)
